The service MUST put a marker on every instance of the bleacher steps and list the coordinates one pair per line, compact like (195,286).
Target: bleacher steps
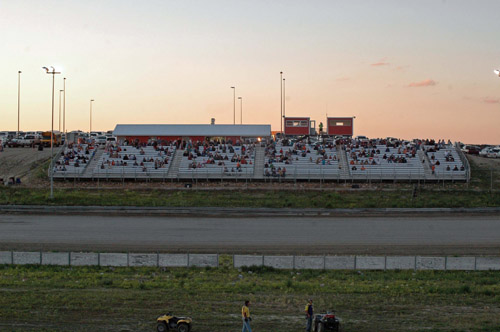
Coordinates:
(173,170)
(258,170)
(92,163)
(426,165)
(344,172)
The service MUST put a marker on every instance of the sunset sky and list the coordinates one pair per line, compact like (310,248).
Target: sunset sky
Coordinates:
(404,68)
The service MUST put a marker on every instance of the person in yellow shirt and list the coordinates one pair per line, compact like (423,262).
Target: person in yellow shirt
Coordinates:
(309,315)
(245,315)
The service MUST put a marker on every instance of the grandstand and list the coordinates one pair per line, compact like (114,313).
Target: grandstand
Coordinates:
(342,160)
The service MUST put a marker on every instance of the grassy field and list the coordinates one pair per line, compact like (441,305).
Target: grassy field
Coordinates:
(42,298)
(253,198)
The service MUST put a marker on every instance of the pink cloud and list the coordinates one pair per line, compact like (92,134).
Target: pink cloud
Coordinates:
(401,68)
(489,100)
(423,83)
(381,63)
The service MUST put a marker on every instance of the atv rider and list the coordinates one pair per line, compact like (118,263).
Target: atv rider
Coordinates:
(309,315)
(245,315)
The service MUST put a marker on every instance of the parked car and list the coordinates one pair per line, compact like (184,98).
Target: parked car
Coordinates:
(100,140)
(493,153)
(471,149)
(362,138)
(484,152)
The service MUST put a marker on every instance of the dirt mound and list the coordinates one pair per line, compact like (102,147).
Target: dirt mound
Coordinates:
(21,162)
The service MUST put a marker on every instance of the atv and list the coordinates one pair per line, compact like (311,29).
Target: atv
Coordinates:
(326,323)
(171,323)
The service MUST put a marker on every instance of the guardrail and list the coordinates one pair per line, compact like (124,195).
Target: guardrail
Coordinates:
(464,160)
(348,262)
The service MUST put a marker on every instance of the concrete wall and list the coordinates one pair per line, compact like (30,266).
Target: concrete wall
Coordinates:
(111,259)
(400,263)
(55,258)
(173,260)
(247,260)
(143,260)
(430,263)
(488,263)
(278,262)
(26,258)
(204,260)
(370,262)
(310,262)
(84,258)
(340,262)
(5,257)
(461,263)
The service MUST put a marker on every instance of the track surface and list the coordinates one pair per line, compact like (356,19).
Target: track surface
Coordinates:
(390,235)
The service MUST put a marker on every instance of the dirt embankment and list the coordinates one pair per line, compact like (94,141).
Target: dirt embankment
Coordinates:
(20,162)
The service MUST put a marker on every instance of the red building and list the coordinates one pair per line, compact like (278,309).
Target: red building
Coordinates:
(297,126)
(340,126)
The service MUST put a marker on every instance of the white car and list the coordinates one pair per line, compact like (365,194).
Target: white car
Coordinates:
(362,138)
(484,152)
(493,153)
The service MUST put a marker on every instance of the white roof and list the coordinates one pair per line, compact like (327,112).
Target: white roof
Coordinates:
(192,130)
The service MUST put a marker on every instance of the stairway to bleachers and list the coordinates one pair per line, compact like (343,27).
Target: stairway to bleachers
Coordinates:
(258,172)
(174,167)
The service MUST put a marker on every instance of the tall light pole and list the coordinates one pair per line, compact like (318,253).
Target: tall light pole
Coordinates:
(281,104)
(234,104)
(241,109)
(90,130)
(52,72)
(284,100)
(64,110)
(60,91)
(18,100)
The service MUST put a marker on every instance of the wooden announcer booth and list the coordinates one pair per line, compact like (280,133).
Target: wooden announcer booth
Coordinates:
(299,126)
(340,126)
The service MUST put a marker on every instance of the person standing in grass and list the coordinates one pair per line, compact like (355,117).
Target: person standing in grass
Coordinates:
(309,315)
(245,315)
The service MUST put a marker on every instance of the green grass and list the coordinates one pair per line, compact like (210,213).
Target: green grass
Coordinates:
(129,299)
(254,198)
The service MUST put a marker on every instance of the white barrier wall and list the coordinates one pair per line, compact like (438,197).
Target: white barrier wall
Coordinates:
(203,260)
(461,263)
(23,258)
(430,263)
(5,257)
(55,258)
(487,263)
(247,260)
(173,260)
(340,262)
(84,258)
(310,262)
(400,262)
(277,262)
(143,260)
(370,263)
(111,259)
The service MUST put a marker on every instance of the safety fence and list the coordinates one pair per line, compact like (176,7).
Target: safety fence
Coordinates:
(349,262)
